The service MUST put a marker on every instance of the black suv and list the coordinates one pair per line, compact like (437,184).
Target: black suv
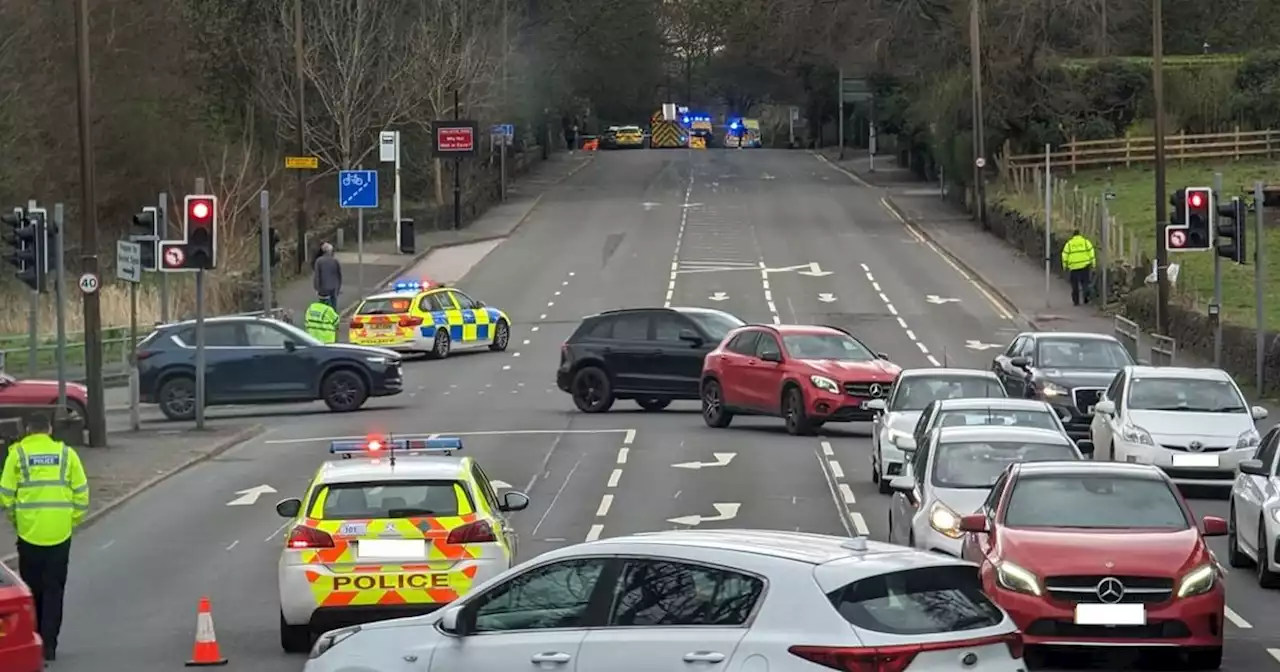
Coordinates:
(255,360)
(652,355)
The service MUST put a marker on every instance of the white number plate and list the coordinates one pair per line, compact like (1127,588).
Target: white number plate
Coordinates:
(406,549)
(1194,460)
(1111,614)
(381,328)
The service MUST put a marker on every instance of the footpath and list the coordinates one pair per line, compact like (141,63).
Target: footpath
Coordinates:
(1007,273)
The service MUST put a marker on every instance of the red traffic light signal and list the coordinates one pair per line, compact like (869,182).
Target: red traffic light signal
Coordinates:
(201,220)
(1195,199)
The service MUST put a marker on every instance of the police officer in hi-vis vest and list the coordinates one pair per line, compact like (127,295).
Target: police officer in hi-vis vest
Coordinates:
(45,494)
(321,320)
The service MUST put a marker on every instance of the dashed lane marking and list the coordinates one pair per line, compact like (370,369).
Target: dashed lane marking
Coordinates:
(1236,619)
(675,257)
(768,293)
(841,493)
(606,501)
(901,322)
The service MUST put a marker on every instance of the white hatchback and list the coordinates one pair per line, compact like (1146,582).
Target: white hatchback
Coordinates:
(712,600)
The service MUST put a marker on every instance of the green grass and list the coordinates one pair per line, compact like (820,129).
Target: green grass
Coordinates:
(1134,209)
(17,352)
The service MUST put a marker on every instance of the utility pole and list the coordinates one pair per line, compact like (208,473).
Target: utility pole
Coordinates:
(299,92)
(979,127)
(1162,215)
(97,419)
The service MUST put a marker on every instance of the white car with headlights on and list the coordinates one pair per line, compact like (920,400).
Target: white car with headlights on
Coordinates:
(1193,423)
(912,392)
(951,475)
(1253,525)
(704,601)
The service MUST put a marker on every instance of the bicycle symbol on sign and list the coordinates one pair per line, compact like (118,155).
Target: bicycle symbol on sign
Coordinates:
(352,180)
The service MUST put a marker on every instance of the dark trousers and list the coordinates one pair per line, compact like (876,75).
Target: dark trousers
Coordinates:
(44,570)
(1080,285)
(331,299)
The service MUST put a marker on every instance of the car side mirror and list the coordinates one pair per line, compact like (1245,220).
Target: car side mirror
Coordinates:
(456,621)
(875,405)
(1085,446)
(904,484)
(691,336)
(1020,362)
(1105,407)
(1213,526)
(290,346)
(1253,468)
(906,444)
(974,522)
(480,304)
(883,355)
(1259,413)
(771,357)
(514,501)
(289,508)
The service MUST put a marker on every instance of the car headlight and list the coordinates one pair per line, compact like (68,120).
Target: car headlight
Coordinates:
(1198,581)
(376,360)
(331,639)
(825,383)
(1015,578)
(1134,434)
(1053,390)
(1248,439)
(945,521)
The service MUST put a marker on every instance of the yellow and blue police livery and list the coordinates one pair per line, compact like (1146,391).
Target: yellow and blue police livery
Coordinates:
(420,316)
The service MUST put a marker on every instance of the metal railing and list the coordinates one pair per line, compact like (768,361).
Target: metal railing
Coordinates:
(1129,334)
(16,355)
(1163,350)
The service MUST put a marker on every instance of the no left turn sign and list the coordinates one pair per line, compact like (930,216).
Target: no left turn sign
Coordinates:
(1177,239)
(88,283)
(173,257)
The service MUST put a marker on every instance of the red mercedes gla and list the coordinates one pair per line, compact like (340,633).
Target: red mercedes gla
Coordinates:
(1103,554)
(807,375)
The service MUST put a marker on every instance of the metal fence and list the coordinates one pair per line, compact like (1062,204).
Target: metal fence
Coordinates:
(1127,332)
(1163,350)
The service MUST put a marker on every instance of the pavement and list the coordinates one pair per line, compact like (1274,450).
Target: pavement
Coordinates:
(772,235)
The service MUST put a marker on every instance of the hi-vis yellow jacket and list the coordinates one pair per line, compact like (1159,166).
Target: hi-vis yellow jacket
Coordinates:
(44,490)
(1078,253)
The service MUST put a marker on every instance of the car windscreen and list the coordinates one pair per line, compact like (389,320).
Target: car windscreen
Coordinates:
(827,346)
(916,392)
(1094,501)
(385,306)
(400,499)
(922,601)
(978,417)
(716,324)
(1191,395)
(977,464)
(1081,353)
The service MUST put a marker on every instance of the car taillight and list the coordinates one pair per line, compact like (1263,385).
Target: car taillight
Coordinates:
(143,354)
(479,532)
(410,320)
(355,323)
(309,537)
(894,658)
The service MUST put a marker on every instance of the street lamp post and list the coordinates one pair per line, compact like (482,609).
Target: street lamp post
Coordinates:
(979,128)
(1162,215)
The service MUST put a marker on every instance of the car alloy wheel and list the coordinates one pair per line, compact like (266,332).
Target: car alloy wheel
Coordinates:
(712,407)
(442,344)
(341,392)
(501,337)
(590,389)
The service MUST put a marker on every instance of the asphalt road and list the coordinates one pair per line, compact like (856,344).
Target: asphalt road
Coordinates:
(769,235)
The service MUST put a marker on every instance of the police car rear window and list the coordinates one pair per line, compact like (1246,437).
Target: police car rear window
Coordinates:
(406,499)
(388,306)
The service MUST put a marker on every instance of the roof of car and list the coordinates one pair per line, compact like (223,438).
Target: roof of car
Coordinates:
(1000,403)
(361,469)
(802,329)
(1089,467)
(405,293)
(677,309)
(814,549)
(1000,433)
(221,319)
(1179,372)
(931,372)
(1071,335)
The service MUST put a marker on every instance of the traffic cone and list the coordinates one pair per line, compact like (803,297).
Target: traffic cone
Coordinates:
(205,653)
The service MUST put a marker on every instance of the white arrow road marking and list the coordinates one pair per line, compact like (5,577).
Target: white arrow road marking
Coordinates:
(719,296)
(826,297)
(767,176)
(726,512)
(939,300)
(498,485)
(815,271)
(250,496)
(692,205)
(650,205)
(979,345)
(722,460)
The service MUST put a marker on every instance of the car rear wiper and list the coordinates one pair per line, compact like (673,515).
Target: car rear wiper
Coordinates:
(405,513)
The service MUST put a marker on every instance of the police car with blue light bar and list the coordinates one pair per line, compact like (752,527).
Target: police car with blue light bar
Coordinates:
(421,316)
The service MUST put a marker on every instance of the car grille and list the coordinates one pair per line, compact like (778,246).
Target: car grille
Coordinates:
(1086,397)
(865,390)
(1203,449)
(1090,589)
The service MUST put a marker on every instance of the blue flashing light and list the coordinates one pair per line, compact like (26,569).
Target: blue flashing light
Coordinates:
(378,447)
(734,125)
(686,120)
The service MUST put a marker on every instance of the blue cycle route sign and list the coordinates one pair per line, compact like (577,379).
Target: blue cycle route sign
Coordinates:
(358,188)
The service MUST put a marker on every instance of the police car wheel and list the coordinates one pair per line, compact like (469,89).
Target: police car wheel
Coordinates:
(343,391)
(501,336)
(178,398)
(294,638)
(441,345)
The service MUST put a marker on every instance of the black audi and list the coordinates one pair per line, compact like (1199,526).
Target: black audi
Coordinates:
(1069,370)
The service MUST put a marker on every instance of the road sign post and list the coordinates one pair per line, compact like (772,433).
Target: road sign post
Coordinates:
(455,138)
(389,152)
(358,189)
(129,269)
(60,303)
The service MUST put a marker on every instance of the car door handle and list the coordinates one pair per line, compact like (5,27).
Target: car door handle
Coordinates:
(704,657)
(557,657)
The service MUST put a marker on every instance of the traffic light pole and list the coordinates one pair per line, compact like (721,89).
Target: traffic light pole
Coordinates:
(1215,309)
(264,219)
(33,313)
(162,206)
(200,354)
(1162,247)
(60,303)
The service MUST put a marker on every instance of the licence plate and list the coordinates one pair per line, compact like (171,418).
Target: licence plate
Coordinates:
(1111,614)
(406,549)
(381,328)
(1195,460)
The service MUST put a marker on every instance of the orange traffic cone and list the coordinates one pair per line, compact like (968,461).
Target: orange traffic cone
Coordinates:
(205,653)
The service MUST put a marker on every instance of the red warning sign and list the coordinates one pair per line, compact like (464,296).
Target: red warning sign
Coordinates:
(455,137)
(173,256)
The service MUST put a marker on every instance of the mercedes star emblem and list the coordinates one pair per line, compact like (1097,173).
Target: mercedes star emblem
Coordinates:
(1195,446)
(1110,590)
(875,390)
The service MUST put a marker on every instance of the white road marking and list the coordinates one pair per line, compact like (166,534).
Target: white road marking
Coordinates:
(533,329)
(556,498)
(622,455)
(901,322)
(846,518)
(233,544)
(515,354)
(615,477)
(629,437)
(551,303)
(557,292)
(826,449)
(594,533)
(835,469)
(526,342)
(506,367)
(605,503)
(859,524)
(280,529)
(112,542)
(1275,653)
(490,432)
(847,493)
(565,283)
(768,294)
(542,316)
(675,257)
(1236,619)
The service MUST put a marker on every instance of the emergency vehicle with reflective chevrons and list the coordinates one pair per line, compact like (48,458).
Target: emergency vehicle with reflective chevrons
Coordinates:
(421,316)
(398,527)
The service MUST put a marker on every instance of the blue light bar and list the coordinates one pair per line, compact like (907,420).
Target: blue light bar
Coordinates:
(407,286)
(377,447)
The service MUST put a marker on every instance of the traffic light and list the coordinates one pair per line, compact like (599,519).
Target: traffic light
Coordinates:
(46,245)
(273,246)
(201,214)
(24,238)
(1230,228)
(147,227)
(1191,227)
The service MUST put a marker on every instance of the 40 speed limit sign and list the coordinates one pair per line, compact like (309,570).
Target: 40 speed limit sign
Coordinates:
(88,283)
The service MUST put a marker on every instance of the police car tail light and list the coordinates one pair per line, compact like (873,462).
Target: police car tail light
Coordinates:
(356,323)
(895,658)
(410,320)
(479,532)
(309,537)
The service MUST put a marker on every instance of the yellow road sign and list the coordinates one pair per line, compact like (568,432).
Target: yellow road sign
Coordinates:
(301,162)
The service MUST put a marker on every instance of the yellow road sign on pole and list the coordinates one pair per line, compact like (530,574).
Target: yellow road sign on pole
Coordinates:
(301,162)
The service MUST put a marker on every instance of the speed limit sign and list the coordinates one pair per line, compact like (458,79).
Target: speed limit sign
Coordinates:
(980,162)
(88,283)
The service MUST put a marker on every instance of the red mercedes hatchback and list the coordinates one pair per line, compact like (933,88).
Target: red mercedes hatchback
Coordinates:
(808,375)
(20,647)
(1103,554)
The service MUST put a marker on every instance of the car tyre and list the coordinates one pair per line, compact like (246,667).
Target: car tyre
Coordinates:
(177,398)
(798,424)
(592,391)
(343,391)
(713,411)
(294,638)
(1204,659)
(501,337)
(1235,557)
(441,345)
(1266,577)
(653,404)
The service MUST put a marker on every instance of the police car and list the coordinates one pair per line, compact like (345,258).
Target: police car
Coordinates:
(400,527)
(421,316)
